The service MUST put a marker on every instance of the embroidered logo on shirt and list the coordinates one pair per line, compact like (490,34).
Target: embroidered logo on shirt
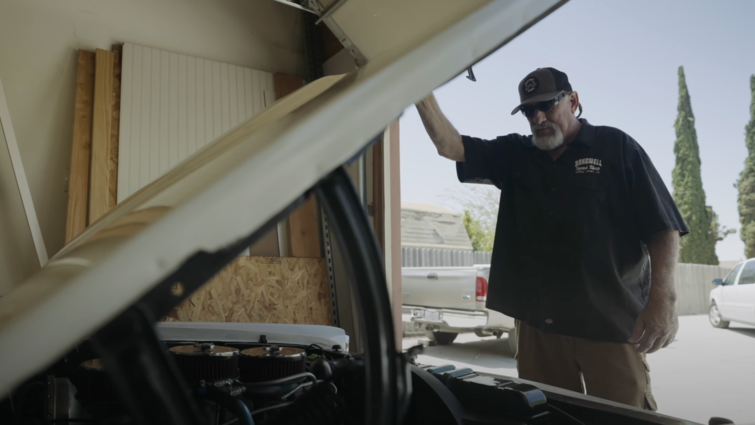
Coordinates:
(588,165)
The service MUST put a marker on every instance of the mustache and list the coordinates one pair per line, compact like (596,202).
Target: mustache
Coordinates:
(544,126)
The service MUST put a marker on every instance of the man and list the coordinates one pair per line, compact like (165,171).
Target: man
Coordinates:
(583,215)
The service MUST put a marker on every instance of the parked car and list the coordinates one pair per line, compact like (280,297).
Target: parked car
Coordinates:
(733,299)
(448,301)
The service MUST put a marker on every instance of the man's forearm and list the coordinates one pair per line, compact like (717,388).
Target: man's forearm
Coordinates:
(664,251)
(658,323)
(443,134)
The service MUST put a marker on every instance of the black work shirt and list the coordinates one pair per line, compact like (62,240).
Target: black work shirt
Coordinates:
(570,252)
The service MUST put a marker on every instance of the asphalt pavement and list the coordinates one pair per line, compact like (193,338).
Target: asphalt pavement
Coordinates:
(705,372)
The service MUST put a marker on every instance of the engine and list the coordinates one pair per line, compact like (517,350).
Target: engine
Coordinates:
(249,383)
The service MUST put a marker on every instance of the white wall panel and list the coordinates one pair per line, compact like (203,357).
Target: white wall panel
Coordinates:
(172,105)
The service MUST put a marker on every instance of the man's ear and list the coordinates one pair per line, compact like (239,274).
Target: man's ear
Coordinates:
(574,98)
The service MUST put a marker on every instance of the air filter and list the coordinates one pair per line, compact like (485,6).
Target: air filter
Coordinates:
(207,362)
(92,383)
(269,363)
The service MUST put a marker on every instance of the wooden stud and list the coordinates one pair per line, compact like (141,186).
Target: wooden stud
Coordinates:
(304,231)
(378,191)
(99,182)
(286,84)
(115,126)
(394,180)
(303,224)
(78,181)
(331,45)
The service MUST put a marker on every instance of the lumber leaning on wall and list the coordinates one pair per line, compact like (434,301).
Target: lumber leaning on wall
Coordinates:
(99,182)
(115,127)
(303,224)
(78,181)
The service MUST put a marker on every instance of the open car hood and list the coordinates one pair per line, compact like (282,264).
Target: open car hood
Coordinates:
(243,179)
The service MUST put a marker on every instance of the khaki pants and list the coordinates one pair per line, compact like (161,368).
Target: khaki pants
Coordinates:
(607,370)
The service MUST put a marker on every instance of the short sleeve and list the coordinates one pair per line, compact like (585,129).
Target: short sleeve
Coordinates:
(654,207)
(484,160)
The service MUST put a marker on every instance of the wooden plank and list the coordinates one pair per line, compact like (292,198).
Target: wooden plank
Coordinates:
(378,193)
(99,177)
(331,46)
(394,180)
(286,84)
(14,154)
(115,126)
(126,122)
(303,224)
(262,290)
(304,231)
(81,149)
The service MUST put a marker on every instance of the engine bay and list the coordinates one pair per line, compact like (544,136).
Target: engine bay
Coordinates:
(272,383)
(228,382)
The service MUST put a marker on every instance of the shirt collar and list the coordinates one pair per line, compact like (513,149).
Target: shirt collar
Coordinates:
(586,134)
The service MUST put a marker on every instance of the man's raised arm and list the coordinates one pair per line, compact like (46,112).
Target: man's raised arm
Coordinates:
(443,134)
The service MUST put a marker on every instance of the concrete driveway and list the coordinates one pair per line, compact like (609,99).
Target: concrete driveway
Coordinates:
(706,372)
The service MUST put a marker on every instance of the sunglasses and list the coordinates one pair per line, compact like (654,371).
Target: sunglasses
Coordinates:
(545,106)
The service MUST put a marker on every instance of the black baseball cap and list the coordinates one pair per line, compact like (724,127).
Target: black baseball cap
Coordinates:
(540,85)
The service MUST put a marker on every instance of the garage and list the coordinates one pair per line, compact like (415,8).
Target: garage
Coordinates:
(202,209)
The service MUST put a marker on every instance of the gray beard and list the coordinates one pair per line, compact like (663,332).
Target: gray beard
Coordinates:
(548,143)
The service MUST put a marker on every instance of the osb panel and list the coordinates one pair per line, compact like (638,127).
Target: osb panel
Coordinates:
(262,290)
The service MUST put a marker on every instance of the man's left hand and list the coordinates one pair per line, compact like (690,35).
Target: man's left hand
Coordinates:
(656,326)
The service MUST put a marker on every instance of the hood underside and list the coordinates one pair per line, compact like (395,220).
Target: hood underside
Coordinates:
(206,203)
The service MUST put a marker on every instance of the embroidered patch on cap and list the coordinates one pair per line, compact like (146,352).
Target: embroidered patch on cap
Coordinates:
(530,85)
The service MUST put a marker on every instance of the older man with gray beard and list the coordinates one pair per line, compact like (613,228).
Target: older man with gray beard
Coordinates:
(586,243)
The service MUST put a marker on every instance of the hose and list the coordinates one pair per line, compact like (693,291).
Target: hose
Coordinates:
(238,407)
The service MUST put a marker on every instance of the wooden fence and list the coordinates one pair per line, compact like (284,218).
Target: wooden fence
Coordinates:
(693,286)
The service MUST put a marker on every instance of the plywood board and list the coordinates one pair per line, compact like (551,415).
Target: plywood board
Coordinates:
(99,183)
(262,290)
(78,181)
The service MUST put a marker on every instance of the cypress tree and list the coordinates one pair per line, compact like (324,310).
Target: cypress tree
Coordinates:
(746,184)
(699,246)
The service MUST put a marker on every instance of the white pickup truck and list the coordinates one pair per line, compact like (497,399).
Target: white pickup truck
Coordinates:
(439,297)
(450,300)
